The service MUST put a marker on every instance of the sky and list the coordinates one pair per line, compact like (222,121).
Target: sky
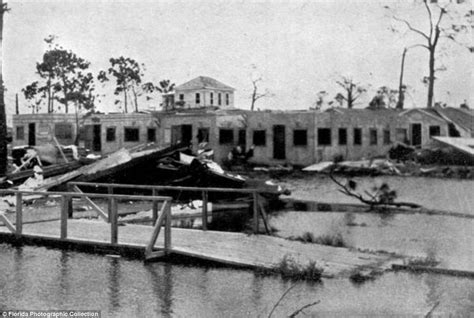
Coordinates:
(297,48)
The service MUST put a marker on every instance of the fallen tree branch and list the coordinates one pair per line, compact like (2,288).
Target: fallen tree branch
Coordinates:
(374,201)
(279,300)
(296,313)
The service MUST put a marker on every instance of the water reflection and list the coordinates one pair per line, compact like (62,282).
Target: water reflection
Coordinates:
(162,285)
(133,289)
(113,280)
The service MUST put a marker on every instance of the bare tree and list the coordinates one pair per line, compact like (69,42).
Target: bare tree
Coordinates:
(435,14)
(255,94)
(3,116)
(352,91)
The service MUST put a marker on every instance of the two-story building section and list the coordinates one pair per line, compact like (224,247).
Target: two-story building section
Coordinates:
(204,92)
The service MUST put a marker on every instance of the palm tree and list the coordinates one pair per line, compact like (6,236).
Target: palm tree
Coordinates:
(3,117)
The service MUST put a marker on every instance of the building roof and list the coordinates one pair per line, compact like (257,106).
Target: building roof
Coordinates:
(363,112)
(204,82)
(463,118)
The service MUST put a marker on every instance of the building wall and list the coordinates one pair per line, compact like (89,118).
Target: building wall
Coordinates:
(363,120)
(426,120)
(121,121)
(197,121)
(205,98)
(45,127)
(294,155)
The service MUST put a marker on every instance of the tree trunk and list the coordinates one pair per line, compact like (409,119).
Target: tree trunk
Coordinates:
(401,93)
(349,99)
(431,78)
(49,96)
(3,117)
(125,99)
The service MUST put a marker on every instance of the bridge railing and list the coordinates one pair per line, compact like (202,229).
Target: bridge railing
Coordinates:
(112,215)
(257,202)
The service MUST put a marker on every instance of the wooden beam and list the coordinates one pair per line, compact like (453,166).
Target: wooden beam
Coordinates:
(154,255)
(156,229)
(7,222)
(94,206)
(60,149)
(113,213)
(255,212)
(154,208)
(264,217)
(19,214)
(204,210)
(167,212)
(64,215)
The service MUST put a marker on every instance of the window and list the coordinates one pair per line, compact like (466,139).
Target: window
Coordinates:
(219,99)
(203,135)
(386,137)
(401,135)
(260,138)
(212,98)
(198,98)
(342,136)
(151,134)
(324,136)
(227,99)
(300,137)
(181,97)
(373,136)
(358,136)
(131,134)
(435,131)
(226,136)
(110,134)
(63,131)
(20,133)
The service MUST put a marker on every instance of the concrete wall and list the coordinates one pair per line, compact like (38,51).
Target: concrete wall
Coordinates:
(44,127)
(120,122)
(364,120)
(295,155)
(426,120)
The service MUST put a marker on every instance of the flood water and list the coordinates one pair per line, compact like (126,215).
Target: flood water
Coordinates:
(40,278)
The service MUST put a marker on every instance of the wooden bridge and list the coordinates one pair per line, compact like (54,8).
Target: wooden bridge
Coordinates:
(107,234)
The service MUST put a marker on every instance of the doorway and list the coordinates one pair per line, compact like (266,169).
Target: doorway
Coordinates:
(96,140)
(279,143)
(416,134)
(31,134)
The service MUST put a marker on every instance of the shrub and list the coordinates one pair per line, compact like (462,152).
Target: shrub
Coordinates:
(289,269)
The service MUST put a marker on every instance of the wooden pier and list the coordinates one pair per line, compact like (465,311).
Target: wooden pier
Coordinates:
(108,234)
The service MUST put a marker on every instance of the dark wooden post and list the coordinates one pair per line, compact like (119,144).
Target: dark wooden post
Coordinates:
(204,209)
(70,188)
(110,190)
(167,210)
(154,208)
(64,214)
(19,214)
(255,212)
(113,216)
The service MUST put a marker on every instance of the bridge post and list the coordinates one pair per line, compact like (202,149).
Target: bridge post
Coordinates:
(204,209)
(154,208)
(255,212)
(167,211)
(110,190)
(19,215)
(65,202)
(113,216)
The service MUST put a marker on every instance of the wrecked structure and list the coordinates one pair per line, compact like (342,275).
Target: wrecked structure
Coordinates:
(279,137)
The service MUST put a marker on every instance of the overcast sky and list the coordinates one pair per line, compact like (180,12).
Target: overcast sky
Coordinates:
(297,47)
